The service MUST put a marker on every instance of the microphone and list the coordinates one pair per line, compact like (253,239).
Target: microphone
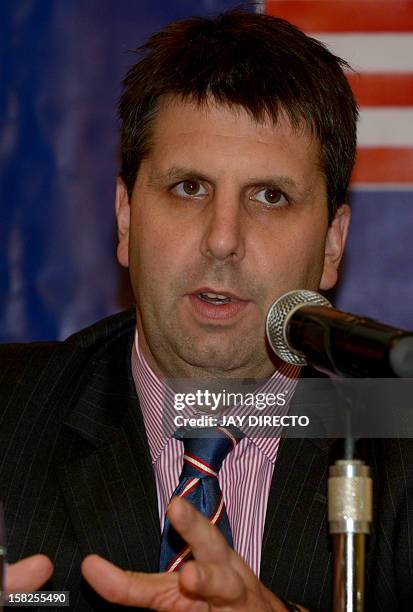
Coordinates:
(304,329)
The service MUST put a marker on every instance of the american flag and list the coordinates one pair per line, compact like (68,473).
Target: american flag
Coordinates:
(376,38)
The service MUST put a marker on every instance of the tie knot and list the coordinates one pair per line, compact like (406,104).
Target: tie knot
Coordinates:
(205,449)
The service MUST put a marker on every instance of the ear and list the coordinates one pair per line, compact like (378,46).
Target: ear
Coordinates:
(123,222)
(334,246)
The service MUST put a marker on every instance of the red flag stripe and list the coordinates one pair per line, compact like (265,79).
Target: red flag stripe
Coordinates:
(382,89)
(383,165)
(347,15)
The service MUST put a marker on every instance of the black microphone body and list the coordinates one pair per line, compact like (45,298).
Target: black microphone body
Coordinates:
(344,344)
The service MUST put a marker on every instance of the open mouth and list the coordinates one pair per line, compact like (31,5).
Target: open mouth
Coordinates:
(210,304)
(214,298)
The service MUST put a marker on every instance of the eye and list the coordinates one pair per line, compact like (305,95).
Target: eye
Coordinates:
(189,188)
(271,197)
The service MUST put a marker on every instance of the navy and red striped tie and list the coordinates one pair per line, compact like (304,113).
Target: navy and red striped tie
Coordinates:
(204,452)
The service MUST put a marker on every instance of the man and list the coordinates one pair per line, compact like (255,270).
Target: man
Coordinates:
(238,141)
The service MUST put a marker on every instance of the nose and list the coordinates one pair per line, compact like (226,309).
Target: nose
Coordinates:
(223,238)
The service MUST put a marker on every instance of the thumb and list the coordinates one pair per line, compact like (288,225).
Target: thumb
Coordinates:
(28,574)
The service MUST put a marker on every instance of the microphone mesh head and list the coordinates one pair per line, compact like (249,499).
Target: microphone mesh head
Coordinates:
(277,322)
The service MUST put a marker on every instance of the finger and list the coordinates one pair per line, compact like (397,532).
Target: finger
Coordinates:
(222,587)
(207,542)
(28,574)
(219,585)
(156,591)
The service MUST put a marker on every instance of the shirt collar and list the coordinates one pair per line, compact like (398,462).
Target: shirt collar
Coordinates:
(156,396)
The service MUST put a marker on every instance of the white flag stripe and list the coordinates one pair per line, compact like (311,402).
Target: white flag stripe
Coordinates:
(382,187)
(372,52)
(385,127)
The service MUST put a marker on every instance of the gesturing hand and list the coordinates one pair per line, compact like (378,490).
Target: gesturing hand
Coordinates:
(217,579)
(29,574)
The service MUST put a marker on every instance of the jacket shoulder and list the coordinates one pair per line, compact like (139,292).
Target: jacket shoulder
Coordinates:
(37,355)
(103,332)
(31,372)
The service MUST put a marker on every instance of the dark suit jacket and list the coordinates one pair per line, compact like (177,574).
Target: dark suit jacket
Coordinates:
(76,477)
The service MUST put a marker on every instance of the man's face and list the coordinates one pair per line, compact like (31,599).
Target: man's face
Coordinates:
(226,215)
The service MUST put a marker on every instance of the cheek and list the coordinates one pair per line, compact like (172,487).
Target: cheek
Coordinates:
(156,229)
(158,254)
(310,259)
(291,259)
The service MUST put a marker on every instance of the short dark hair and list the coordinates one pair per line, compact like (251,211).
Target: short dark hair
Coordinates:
(260,63)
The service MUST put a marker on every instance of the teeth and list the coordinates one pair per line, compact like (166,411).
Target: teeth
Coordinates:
(215,298)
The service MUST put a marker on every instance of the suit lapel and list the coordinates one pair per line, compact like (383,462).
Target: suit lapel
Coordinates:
(295,556)
(296,559)
(110,492)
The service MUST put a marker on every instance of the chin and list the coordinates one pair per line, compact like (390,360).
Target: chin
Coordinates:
(211,361)
(217,360)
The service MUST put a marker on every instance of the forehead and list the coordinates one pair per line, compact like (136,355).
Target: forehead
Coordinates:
(220,139)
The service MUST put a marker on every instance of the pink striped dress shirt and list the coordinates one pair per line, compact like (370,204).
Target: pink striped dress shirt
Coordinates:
(245,475)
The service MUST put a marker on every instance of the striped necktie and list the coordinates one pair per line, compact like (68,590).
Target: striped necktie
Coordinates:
(198,483)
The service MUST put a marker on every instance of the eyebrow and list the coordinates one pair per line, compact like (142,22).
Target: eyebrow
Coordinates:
(173,174)
(275,180)
(181,173)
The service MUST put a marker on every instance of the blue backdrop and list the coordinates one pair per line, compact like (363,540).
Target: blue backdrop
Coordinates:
(61,67)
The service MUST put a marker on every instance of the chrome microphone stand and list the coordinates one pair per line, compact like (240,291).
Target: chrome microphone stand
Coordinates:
(349,483)
(349,517)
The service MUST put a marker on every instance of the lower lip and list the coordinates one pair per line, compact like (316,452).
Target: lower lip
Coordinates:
(216,311)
